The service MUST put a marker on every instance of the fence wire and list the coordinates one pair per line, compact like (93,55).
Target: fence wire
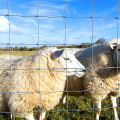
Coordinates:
(12,113)
(65,45)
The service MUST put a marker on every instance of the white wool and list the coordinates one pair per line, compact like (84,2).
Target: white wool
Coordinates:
(115,40)
(6,61)
(27,80)
(102,75)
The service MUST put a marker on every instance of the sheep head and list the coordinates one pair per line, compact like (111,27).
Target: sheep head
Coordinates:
(116,53)
(67,60)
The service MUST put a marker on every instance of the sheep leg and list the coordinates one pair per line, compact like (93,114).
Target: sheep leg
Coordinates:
(64,99)
(114,105)
(30,117)
(11,116)
(42,116)
(98,108)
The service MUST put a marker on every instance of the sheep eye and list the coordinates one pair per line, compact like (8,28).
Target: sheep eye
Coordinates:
(66,59)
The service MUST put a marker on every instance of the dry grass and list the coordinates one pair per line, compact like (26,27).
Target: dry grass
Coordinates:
(18,53)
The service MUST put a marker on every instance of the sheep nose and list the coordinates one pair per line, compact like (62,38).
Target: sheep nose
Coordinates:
(84,70)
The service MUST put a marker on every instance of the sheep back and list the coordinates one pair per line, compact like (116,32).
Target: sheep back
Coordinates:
(5,61)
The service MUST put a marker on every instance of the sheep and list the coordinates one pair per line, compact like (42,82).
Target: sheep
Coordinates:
(101,75)
(5,61)
(28,91)
(73,50)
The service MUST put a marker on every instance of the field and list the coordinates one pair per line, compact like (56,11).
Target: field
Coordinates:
(79,108)
(18,53)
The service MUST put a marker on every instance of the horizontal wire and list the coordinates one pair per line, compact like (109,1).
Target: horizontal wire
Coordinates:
(72,91)
(63,68)
(69,110)
(38,44)
(59,16)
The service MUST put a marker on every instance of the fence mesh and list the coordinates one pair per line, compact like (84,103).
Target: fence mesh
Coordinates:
(38,44)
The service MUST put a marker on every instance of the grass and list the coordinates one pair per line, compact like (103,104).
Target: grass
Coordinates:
(79,108)
(76,107)
(18,53)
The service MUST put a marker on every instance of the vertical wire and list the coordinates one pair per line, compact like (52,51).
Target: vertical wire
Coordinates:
(10,60)
(39,59)
(117,56)
(92,60)
(66,57)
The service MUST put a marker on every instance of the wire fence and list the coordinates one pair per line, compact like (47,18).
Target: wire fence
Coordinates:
(64,44)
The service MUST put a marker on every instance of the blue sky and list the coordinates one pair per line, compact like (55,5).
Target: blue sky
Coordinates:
(24,30)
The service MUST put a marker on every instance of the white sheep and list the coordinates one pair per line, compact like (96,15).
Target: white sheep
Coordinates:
(5,61)
(101,78)
(32,87)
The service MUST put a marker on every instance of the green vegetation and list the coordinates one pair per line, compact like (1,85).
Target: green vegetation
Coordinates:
(79,108)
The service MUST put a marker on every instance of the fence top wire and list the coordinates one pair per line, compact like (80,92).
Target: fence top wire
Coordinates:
(88,17)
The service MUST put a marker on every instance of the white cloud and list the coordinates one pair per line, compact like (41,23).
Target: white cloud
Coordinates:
(4,26)
(3,11)
(78,37)
(53,6)
(23,6)
(46,9)
(45,26)
(16,29)
(53,29)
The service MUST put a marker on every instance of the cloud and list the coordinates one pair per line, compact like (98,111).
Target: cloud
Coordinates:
(78,37)
(16,29)
(44,26)
(53,6)
(53,29)
(3,11)
(4,26)
(46,8)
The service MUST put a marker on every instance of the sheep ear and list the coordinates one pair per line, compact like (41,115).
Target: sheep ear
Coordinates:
(57,54)
(113,45)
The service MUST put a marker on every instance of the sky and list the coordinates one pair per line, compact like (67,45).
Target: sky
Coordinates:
(52,27)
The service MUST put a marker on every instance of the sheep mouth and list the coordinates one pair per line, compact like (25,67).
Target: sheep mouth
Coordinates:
(84,70)
(77,73)
(80,73)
